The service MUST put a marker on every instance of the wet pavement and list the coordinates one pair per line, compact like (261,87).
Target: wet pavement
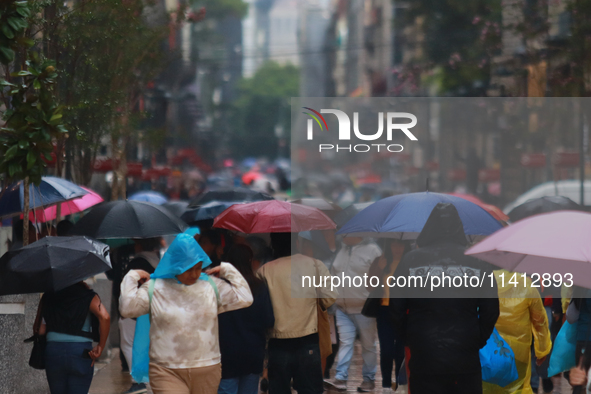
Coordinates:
(109,379)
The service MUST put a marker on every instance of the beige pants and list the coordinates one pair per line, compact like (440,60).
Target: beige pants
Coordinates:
(204,380)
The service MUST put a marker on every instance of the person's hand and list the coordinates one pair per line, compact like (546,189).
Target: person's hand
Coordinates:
(144,277)
(215,271)
(578,376)
(95,353)
(540,361)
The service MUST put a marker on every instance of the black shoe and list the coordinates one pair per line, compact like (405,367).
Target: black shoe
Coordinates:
(547,385)
(137,388)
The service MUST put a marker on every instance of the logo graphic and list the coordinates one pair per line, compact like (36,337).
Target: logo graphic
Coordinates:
(316,119)
(345,129)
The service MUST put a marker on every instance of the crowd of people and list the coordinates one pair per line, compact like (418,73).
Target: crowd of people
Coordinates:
(228,317)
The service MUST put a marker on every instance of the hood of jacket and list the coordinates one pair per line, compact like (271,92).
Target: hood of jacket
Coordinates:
(182,254)
(443,225)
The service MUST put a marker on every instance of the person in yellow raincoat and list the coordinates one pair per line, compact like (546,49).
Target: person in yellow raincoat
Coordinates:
(522,316)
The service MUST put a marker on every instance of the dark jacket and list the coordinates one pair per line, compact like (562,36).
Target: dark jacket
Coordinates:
(444,334)
(243,336)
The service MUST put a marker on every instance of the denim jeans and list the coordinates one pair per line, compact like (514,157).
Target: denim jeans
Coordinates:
(245,384)
(67,371)
(297,359)
(348,326)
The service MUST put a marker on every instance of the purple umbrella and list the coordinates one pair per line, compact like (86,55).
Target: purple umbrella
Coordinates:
(552,243)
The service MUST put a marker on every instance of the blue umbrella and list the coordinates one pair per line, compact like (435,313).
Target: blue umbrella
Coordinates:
(403,217)
(149,196)
(207,211)
(51,190)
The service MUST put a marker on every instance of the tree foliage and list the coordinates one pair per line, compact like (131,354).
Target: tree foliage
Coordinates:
(263,103)
(460,39)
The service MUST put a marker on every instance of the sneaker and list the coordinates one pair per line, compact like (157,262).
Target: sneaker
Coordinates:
(340,385)
(137,388)
(547,385)
(366,386)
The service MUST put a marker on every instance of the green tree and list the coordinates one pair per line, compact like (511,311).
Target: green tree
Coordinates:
(460,39)
(32,117)
(264,102)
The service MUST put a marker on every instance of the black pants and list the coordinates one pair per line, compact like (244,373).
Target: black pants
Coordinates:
(297,359)
(446,384)
(391,348)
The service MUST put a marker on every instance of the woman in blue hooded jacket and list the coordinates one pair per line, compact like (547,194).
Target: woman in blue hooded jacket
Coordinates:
(184,307)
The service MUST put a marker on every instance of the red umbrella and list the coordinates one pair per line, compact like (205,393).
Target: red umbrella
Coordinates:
(494,211)
(273,217)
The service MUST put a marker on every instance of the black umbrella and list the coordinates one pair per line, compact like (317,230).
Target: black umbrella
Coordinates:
(543,205)
(128,219)
(177,208)
(52,264)
(348,213)
(206,212)
(236,194)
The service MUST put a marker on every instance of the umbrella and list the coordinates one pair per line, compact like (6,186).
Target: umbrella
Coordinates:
(568,188)
(52,264)
(494,211)
(543,205)
(50,191)
(128,219)
(177,208)
(230,194)
(149,196)
(207,211)
(327,207)
(549,243)
(273,217)
(67,208)
(403,216)
(251,176)
(342,217)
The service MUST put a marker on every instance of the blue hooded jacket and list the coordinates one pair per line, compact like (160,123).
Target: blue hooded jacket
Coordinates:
(182,254)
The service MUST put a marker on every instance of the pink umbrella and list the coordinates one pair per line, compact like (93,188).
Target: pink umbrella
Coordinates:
(68,207)
(552,243)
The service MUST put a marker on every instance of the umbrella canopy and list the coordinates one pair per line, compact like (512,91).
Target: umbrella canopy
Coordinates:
(568,188)
(149,196)
(67,208)
(128,219)
(177,208)
(329,208)
(207,211)
(50,191)
(342,217)
(251,176)
(403,217)
(52,264)
(494,211)
(543,205)
(556,242)
(273,217)
(230,194)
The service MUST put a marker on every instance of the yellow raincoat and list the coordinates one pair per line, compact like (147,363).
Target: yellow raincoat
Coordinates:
(522,314)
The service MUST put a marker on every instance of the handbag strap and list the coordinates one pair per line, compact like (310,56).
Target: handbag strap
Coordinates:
(151,292)
(215,288)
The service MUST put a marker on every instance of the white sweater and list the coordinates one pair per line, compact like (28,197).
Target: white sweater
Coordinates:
(184,321)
